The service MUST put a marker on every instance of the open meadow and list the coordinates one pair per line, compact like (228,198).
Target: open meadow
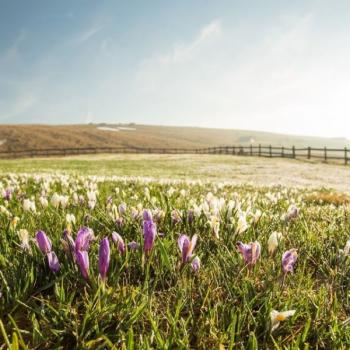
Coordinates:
(174,252)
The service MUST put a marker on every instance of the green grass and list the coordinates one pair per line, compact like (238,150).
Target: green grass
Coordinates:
(153,301)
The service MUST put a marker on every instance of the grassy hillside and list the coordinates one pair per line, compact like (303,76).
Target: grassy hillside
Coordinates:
(21,137)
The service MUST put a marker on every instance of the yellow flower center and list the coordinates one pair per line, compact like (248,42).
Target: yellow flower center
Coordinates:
(280,317)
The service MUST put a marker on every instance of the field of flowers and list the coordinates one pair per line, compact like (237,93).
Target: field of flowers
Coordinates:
(134,263)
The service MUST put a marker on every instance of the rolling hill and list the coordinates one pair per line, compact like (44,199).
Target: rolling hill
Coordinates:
(24,137)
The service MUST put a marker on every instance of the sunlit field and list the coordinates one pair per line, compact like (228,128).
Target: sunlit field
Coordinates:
(107,262)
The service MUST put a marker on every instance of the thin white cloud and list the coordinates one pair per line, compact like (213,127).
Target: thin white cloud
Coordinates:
(87,34)
(184,52)
(13,52)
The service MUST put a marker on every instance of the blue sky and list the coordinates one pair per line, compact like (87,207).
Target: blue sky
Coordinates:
(265,65)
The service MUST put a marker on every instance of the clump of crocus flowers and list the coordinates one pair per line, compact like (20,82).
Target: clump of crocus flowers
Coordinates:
(82,244)
(45,246)
(187,246)
(250,252)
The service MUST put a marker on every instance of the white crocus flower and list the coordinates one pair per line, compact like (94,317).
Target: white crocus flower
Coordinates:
(277,317)
(28,205)
(24,237)
(64,201)
(346,250)
(273,241)
(242,224)
(55,200)
(214,223)
(70,219)
(43,202)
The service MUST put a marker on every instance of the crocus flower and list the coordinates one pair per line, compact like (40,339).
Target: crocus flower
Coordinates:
(122,208)
(346,250)
(250,252)
(44,242)
(53,262)
(288,260)
(196,264)
(7,194)
(133,245)
(104,258)
(190,215)
(242,224)
(45,246)
(24,237)
(176,216)
(149,234)
(277,317)
(292,213)
(147,215)
(82,258)
(186,247)
(84,236)
(273,241)
(119,222)
(29,205)
(118,240)
(68,243)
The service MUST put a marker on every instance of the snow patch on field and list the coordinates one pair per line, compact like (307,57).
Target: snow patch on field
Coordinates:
(119,128)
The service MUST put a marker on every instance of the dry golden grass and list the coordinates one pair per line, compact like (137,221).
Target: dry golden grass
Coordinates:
(334,198)
(24,137)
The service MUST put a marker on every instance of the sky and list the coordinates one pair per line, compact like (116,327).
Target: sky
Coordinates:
(281,66)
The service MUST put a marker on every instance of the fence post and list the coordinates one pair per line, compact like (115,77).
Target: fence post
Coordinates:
(234,150)
(309,152)
(282,152)
(259,150)
(325,154)
(293,150)
(251,149)
(270,149)
(346,156)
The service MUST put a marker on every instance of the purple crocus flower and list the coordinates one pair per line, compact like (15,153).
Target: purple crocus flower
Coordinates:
(147,215)
(122,208)
(82,258)
(190,215)
(7,194)
(250,252)
(70,241)
(133,245)
(289,259)
(44,242)
(104,258)
(186,247)
(149,234)
(118,240)
(53,262)
(119,222)
(45,246)
(84,236)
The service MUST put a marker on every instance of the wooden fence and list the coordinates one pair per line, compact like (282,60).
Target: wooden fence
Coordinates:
(324,154)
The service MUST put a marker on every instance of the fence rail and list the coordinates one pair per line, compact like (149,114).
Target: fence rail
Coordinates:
(325,154)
